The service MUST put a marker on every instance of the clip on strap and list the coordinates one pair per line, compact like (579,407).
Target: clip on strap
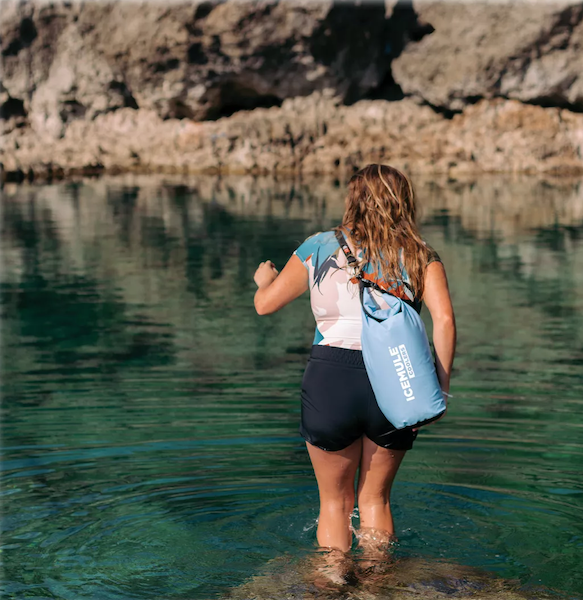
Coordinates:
(345,248)
(352,262)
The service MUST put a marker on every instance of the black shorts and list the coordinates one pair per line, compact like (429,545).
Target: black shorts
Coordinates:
(339,406)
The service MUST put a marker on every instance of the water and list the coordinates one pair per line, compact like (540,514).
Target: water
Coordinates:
(150,417)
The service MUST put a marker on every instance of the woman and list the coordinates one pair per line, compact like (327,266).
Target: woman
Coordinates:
(343,427)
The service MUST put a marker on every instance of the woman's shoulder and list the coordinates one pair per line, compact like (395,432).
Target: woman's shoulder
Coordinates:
(322,241)
(322,238)
(433,255)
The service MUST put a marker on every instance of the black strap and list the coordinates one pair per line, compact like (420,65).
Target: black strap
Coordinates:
(352,262)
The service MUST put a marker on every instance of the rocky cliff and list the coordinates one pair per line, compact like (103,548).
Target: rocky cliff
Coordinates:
(290,86)
(527,51)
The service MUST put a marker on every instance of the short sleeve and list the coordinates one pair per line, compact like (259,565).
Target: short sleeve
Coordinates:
(306,249)
(433,256)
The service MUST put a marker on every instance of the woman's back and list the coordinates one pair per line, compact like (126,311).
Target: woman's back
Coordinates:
(334,292)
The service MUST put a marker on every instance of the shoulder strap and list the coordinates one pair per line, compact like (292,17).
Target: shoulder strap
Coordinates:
(352,262)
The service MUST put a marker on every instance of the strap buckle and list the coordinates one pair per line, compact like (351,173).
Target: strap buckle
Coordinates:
(350,259)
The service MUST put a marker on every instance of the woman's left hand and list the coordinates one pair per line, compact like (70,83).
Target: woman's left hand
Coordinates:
(265,274)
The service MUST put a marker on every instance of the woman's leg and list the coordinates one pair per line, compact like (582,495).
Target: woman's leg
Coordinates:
(378,468)
(335,473)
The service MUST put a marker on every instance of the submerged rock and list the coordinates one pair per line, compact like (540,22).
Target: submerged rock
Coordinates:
(387,579)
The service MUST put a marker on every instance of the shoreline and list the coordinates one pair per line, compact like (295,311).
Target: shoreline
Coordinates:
(308,136)
(139,176)
(58,176)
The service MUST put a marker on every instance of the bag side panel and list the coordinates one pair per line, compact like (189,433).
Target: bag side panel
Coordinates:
(400,367)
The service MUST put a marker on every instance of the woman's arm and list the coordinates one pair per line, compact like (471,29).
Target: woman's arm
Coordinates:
(438,301)
(277,290)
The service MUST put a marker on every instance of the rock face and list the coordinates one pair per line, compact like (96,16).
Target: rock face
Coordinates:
(198,60)
(290,86)
(531,52)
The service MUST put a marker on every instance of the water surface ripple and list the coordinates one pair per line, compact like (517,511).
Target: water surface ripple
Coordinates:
(150,418)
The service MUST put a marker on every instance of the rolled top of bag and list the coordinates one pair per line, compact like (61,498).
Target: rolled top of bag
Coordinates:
(372,308)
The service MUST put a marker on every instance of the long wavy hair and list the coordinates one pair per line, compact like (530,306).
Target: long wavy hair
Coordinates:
(380,212)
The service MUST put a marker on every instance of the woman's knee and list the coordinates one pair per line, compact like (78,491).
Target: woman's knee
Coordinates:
(340,502)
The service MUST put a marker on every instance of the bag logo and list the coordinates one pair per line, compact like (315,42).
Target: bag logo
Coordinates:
(404,370)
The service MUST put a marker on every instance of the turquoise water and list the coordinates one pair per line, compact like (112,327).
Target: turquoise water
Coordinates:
(149,430)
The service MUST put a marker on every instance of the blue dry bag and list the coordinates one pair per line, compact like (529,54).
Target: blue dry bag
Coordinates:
(397,357)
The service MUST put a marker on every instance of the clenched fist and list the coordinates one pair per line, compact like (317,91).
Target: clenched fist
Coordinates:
(265,274)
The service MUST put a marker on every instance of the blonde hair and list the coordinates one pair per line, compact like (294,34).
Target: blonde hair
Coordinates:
(381,212)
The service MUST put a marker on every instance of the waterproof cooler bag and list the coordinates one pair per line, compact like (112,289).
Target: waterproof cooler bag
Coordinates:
(399,362)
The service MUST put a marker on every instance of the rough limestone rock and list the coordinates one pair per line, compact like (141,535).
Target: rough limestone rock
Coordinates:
(312,135)
(266,86)
(200,60)
(530,51)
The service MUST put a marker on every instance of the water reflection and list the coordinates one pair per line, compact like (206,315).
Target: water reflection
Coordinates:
(150,414)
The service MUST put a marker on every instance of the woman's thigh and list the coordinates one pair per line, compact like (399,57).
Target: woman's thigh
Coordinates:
(336,471)
(378,468)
